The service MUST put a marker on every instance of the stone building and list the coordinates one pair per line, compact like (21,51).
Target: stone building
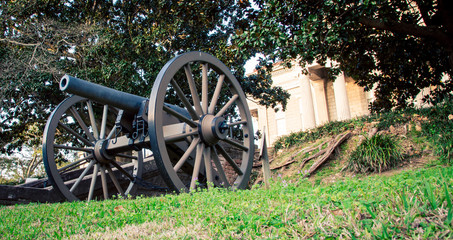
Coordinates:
(314,101)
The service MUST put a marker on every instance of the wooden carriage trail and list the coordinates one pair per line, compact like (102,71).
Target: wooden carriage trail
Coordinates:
(42,190)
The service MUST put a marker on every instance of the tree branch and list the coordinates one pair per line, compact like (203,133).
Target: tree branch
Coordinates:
(445,9)
(410,29)
(19,43)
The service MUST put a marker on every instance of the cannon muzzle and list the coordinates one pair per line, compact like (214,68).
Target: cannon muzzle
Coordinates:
(101,94)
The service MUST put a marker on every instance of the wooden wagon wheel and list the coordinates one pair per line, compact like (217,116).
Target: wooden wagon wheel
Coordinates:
(74,163)
(212,140)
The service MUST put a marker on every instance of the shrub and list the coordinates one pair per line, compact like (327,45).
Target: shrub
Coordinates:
(376,154)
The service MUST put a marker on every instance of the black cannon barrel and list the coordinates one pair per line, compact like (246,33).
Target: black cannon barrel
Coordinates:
(101,94)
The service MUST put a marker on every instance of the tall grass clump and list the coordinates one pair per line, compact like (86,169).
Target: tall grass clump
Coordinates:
(376,154)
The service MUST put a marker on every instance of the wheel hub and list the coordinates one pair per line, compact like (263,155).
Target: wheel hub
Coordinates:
(100,153)
(212,129)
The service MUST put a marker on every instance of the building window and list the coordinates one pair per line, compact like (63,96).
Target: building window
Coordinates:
(280,121)
(301,112)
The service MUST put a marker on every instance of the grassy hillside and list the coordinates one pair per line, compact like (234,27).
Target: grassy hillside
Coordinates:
(411,200)
(411,138)
(415,203)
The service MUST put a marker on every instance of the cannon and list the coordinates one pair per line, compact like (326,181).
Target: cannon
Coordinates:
(195,126)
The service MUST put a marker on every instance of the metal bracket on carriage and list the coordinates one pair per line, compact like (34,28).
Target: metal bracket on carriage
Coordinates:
(140,127)
(118,126)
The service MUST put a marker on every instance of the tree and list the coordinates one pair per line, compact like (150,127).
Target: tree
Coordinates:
(397,46)
(119,44)
(19,166)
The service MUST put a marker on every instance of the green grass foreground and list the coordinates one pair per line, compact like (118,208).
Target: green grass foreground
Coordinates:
(411,204)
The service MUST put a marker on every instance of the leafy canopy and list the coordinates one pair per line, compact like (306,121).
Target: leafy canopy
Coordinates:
(119,44)
(398,46)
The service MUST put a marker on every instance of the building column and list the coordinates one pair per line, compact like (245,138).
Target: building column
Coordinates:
(306,105)
(341,98)
(321,102)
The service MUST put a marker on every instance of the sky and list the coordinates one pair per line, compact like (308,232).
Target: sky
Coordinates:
(251,64)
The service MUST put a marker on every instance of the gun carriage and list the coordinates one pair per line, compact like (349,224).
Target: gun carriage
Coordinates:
(94,141)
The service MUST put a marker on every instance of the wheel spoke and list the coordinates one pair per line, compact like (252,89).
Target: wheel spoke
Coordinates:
(82,176)
(115,180)
(180,116)
(126,156)
(179,137)
(235,144)
(196,170)
(216,95)
(122,170)
(193,89)
(92,119)
(69,130)
(229,160)
(82,124)
(105,190)
(227,105)
(220,170)
(94,176)
(207,164)
(237,123)
(183,156)
(104,122)
(112,131)
(59,146)
(119,114)
(204,88)
(74,164)
(71,133)
(184,100)
(186,154)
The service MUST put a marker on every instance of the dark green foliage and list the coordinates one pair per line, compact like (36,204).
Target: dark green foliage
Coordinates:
(397,47)
(376,154)
(118,44)
(258,85)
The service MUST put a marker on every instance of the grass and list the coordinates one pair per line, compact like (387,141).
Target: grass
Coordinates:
(415,204)
(376,154)
(412,204)
(435,127)
(329,129)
